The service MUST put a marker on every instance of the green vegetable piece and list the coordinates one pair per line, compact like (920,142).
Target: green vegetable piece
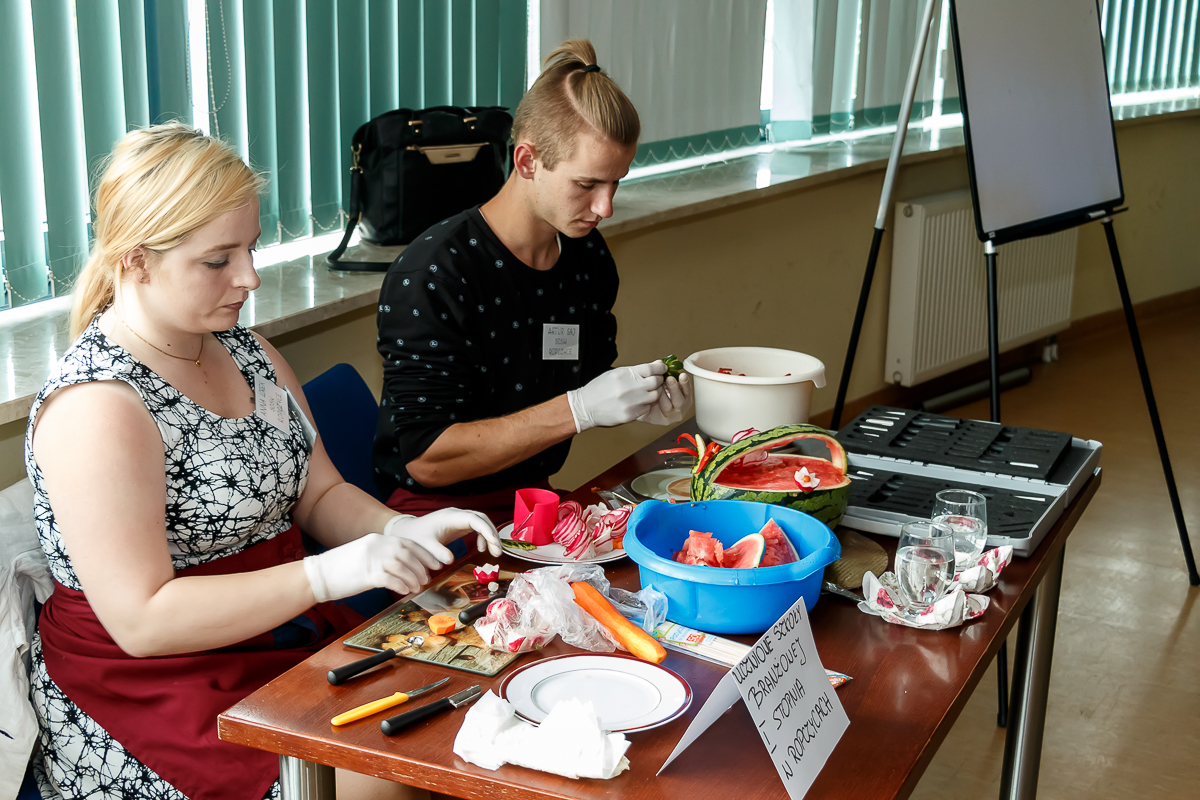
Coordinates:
(517,544)
(674,366)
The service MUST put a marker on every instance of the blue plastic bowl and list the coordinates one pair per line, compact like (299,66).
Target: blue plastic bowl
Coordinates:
(727,600)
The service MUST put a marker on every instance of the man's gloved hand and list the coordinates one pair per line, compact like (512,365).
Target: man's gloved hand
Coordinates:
(438,528)
(371,562)
(674,402)
(618,396)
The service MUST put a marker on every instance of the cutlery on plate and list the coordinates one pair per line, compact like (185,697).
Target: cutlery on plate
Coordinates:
(383,704)
(393,725)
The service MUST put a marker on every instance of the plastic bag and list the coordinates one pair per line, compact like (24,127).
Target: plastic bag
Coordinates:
(540,604)
(647,609)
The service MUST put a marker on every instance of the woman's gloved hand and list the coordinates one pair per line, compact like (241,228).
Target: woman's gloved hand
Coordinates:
(372,562)
(674,402)
(620,395)
(438,528)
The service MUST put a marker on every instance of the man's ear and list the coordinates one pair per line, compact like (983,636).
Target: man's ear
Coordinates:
(524,160)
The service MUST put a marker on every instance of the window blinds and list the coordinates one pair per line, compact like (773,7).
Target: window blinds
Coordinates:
(693,68)
(287,82)
(1150,45)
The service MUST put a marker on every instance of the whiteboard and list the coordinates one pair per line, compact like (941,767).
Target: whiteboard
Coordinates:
(1037,116)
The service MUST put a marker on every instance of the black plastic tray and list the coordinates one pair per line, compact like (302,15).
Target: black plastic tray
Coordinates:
(948,441)
(1009,514)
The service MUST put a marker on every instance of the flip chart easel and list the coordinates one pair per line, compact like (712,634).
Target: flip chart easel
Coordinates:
(998,29)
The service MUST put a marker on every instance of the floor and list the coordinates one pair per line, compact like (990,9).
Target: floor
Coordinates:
(1124,710)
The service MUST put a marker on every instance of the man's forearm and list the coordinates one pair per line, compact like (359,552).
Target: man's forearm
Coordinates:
(474,449)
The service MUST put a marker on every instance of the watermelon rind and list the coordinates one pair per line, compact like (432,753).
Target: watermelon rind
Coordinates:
(826,504)
(746,553)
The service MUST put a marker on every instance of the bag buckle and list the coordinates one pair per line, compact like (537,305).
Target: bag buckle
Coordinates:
(355,151)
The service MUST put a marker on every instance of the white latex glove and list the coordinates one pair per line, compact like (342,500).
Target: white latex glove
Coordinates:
(674,402)
(371,562)
(438,528)
(618,396)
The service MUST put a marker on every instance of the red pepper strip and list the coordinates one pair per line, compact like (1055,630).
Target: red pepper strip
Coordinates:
(709,452)
(690,438)
(687,450)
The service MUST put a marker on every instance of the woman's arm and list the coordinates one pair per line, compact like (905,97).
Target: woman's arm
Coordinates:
(102,458)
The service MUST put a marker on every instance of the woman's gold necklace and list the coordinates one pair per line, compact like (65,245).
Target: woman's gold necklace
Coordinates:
(195,360)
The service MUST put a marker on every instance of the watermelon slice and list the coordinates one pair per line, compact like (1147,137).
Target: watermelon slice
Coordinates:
(700,548)
(746,554)
(779,549)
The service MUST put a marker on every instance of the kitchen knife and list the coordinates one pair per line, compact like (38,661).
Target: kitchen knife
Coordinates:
(348,671)
(393,725)
(383,704)
(469,615)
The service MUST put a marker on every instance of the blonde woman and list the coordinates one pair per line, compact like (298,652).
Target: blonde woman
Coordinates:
(172,475)
(496,325)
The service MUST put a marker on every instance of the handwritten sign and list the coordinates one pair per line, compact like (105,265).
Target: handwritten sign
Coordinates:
(790,699)
(560,342)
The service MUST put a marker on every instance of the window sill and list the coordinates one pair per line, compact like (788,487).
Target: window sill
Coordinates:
(302,292)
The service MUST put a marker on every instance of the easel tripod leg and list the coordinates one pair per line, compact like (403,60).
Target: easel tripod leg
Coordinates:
(864,295)
(993,327)
(1152,406)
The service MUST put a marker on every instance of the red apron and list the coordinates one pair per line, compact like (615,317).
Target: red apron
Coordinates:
(497,505)
(163,709)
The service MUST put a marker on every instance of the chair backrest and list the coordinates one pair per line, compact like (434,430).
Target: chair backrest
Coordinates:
(346,413)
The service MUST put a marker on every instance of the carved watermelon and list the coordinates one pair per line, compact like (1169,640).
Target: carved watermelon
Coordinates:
(776,478)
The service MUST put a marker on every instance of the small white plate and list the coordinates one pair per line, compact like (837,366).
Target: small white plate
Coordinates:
(552,553)
(628,694)
(657,485)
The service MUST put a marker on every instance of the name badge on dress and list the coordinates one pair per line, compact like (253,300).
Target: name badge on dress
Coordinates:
(560,342)
(270,403)
(310,433)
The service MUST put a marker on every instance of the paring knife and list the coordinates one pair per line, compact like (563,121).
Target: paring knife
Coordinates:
(348,671)
(383,704)
(394,725)
(472,613)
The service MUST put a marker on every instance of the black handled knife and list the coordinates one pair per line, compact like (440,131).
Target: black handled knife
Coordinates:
(394,725)
(348,671)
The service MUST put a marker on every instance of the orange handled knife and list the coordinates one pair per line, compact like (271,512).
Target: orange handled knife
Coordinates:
(383,704)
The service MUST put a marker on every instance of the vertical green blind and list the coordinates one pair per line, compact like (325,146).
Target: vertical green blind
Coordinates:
(286,82)
(1151,45)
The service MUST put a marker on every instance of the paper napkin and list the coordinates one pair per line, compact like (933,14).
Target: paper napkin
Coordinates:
(569,741)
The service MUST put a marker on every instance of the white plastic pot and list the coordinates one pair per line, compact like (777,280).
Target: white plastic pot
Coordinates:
(764,397)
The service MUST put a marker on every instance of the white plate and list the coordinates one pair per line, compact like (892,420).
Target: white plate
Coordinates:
(656,484)
(627,694)
(553,553)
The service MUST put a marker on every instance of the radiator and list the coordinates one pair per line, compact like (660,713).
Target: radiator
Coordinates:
(937,315)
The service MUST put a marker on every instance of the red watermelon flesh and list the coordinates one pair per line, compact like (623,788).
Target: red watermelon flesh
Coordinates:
(778,473)
(700,548)
(779,547)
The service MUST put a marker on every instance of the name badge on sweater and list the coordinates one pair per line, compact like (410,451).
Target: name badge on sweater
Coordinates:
(270,403)
(560,342)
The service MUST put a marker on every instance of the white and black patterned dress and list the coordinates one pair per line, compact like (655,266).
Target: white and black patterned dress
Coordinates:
(231,484)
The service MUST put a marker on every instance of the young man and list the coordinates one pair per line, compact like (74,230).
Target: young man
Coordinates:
(495,325)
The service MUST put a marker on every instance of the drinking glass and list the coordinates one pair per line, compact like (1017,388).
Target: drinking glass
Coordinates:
(924,563)
(966,514)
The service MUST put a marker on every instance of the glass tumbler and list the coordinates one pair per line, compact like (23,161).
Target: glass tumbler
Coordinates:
(966,514)
(924,563)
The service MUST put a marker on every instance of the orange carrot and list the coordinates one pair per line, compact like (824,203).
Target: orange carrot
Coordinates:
(631,637)
(442,624)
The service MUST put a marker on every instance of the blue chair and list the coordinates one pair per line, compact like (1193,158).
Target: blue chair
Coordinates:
(345,413)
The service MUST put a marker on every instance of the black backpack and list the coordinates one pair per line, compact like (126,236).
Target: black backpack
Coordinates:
(413,169)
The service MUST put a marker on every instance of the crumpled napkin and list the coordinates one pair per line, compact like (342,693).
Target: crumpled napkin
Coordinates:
(569,741)
(959,605)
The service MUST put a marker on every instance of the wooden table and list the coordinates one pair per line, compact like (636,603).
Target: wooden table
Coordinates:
(909,687)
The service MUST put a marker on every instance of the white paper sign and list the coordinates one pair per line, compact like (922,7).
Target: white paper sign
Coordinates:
(790,699)
(270,402)
(560,342)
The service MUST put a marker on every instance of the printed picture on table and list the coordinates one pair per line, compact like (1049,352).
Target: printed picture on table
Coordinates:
(406,628)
